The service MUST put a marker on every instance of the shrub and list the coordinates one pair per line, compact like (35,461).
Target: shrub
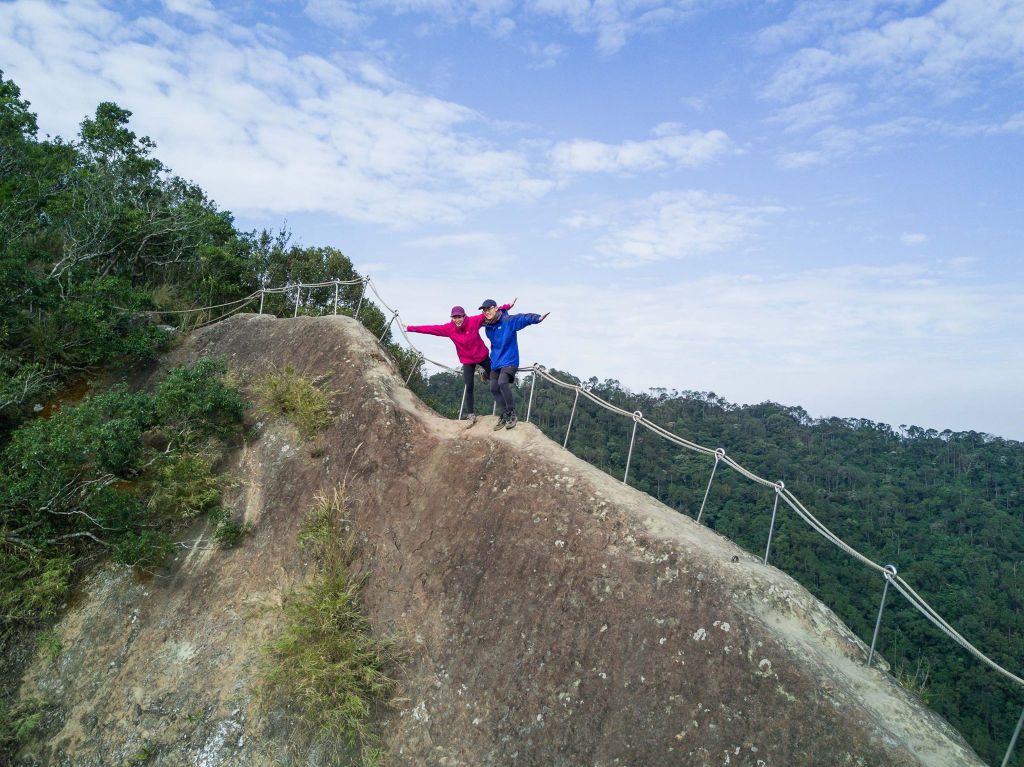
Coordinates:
(32,585)
(228,533)
(285,393)
(90,477)
(327,664)
(185,486)
(195,403)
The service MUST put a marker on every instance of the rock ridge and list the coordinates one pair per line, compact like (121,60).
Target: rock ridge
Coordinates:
(555,617)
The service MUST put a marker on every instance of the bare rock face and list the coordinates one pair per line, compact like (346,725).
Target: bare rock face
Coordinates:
(555,617)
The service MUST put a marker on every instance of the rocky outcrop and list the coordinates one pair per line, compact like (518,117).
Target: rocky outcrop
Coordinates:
(554,616)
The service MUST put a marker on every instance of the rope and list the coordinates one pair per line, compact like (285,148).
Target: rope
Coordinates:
(207,308)
(928,612)
(227,314)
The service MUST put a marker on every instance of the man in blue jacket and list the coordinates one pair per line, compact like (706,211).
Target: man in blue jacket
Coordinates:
(501,328)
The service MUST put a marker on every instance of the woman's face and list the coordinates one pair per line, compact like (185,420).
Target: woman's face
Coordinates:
(458,319)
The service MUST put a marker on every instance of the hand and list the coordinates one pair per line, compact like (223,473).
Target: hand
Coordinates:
(543,316)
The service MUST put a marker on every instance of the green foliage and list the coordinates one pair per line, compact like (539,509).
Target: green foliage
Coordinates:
(49,645)
(185,486)
(19,720)
(89,477)
(226,532)
(946,507)
(327,667)
(32,584)
(194,403)
(97,239)
(286,393)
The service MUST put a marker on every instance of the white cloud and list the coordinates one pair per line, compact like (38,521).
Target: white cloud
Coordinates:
(835,142)
(819,108)
(545,56)
(671,225)
(946,49)
(338,14)
(201,11)
(614,22)
(461,247)
(867,65)
(670,148)
(813,19)
(262,130)
(349,16)
(912,239)
(611,22)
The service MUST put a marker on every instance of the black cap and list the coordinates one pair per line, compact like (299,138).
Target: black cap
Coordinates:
(488,304)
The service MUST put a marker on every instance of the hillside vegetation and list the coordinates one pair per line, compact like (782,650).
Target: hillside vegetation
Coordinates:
(104,256)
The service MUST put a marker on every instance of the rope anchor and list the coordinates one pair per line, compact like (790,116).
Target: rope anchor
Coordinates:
(533,383)
(637,418)
(779,487)
(889,571)
(719,455)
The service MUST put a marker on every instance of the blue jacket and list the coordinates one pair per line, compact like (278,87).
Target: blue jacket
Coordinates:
(502,335)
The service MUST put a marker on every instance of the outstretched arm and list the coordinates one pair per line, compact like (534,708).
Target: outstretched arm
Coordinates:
(520,321)
(431,330)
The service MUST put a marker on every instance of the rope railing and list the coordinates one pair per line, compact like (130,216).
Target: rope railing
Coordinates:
(720,456)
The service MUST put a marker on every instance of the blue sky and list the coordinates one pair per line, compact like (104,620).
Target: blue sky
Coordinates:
(816,203)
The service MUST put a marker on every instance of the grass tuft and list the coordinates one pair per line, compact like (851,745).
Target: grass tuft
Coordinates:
(328,670)
(286,393)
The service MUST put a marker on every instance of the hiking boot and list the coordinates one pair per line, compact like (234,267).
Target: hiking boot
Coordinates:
(470,420)
(511,421)
(500,424)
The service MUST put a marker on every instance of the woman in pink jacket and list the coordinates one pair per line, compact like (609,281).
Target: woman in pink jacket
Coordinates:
(465,334)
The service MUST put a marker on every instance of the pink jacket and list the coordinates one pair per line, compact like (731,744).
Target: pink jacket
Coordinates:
(468,344)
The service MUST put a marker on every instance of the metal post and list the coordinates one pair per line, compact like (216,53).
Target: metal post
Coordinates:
(462,405)
(533,383)
(1013,740)
(779,486)
(387,327)
(637,417)
(890,573)
(566,440)
(494,408)
(337,286)
(262,294)
(719,453)
(361,295)
(412,370)
(298,295)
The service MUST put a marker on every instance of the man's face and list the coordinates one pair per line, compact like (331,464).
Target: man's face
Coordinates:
(490,312)
(458,319)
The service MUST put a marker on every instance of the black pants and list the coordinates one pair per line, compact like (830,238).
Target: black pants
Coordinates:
(501,388)
(468,374)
